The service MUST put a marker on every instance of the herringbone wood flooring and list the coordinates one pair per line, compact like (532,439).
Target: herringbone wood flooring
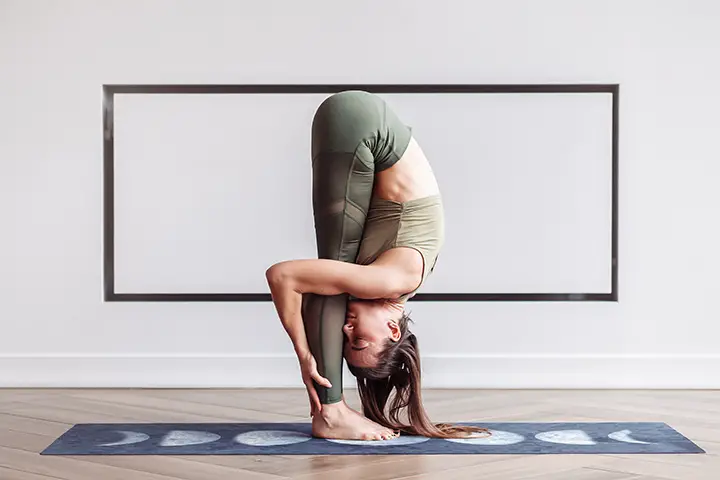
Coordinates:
(31,419)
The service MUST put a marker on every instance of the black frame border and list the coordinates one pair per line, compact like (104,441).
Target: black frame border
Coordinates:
(109,91)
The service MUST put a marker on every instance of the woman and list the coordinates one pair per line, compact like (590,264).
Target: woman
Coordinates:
(379,229)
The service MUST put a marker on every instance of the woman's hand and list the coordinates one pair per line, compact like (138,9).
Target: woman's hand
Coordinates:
(308,367)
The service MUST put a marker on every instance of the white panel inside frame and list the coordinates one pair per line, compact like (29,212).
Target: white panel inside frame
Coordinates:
(211,189)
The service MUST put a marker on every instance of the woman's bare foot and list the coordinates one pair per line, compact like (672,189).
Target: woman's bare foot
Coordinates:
(339,421)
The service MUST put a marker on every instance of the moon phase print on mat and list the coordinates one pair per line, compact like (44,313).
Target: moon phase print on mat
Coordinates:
(401,440)
(498,437)
(566,437)
(626,436)
(275,438)
(271,438)
(129,438)
(179,438)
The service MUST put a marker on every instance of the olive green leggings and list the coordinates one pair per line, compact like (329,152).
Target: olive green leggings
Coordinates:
(354,135)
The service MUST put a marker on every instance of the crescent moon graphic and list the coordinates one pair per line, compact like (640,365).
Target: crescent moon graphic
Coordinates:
(566,437)
(625,436)
(177,438)
(129,438)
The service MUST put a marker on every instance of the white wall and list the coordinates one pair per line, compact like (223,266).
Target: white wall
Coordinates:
(54,57)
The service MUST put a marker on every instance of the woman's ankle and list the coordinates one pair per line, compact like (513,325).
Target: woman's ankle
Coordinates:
(333,410)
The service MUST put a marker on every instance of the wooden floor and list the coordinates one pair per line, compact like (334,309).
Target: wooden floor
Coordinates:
(31,419)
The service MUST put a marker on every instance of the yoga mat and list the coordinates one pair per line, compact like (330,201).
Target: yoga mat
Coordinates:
(296,439)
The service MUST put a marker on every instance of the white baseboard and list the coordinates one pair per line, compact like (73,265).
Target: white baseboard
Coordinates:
(439,371)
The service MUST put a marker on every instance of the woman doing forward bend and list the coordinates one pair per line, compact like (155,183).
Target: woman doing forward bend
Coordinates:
(379,227)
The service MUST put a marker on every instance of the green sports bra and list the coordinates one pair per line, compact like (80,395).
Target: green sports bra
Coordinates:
(417,223)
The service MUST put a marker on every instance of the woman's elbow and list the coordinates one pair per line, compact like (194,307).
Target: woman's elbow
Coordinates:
(276,274)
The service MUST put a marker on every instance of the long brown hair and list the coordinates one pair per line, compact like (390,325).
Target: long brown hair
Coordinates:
(399,369)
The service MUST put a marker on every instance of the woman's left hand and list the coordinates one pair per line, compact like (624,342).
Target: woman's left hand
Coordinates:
(308,367)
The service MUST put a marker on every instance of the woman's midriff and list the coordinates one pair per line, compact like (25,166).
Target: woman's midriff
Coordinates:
(409,178)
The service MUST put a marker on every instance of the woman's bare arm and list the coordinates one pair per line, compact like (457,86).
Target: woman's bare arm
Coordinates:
(290,279)
(288,304)
(332,277)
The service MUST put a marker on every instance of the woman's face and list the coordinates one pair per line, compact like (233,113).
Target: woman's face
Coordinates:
(368,326)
